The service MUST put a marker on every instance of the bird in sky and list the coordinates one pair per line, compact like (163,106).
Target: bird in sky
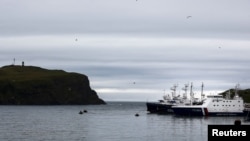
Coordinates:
(76,39)
(189,17)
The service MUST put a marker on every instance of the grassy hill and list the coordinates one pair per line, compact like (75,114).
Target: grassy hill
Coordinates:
(245,94)
(30,85)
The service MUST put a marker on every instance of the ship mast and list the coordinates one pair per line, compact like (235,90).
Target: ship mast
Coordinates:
(202,95)
(185,89)
(228,95)
(174,90)
(236,96)
(191,94)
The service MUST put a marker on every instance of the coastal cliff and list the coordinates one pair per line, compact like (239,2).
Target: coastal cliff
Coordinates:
(30,85)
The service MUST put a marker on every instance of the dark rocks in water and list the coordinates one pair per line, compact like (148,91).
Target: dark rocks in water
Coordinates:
(137,115)
(30,85)
(83,111)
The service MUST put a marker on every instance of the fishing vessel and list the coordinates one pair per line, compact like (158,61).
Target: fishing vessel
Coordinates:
(164,106)
(214,105)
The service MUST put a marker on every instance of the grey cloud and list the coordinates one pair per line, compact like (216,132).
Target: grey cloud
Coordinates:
(119,42)
(167,17)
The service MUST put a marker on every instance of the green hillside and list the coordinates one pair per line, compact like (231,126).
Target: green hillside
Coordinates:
(30,85)
(245,94)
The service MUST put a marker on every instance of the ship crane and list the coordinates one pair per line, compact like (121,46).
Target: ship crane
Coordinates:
(185,89)
(174,90)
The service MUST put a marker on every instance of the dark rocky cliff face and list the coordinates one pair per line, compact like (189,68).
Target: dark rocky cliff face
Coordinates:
(29,85)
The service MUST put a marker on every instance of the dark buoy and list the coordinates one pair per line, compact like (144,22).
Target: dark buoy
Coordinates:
(80,112)
(85,111)
(237,122)
(137,115)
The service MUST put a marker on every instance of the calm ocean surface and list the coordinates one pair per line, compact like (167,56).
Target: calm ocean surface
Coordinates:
(115,121)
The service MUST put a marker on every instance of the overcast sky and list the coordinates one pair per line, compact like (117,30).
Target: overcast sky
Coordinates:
(132,50)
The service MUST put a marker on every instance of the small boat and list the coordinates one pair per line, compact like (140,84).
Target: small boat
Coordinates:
(214,105)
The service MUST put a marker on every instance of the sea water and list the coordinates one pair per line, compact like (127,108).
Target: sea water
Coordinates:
(115,121)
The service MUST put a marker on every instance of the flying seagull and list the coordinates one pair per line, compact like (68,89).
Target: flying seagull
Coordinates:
(189,17)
